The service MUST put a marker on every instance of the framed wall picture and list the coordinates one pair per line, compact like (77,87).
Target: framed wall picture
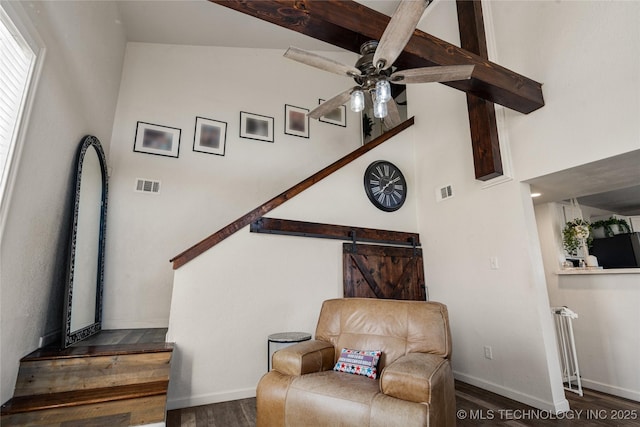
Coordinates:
(157,139)
(336,117)
(296,121)
(210,136)
(255,126)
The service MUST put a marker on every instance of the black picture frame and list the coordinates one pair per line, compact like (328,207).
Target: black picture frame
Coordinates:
(296,121)
(256,127)
(158,140)
(210,136)
(337,117)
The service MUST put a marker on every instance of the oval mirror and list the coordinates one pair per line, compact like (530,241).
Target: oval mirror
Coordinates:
(85,268)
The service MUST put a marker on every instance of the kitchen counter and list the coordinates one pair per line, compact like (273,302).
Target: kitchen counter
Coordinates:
(588,270)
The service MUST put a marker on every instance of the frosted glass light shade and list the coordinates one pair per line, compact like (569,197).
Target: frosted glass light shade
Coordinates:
(383,91)
(357,101)
(379,109)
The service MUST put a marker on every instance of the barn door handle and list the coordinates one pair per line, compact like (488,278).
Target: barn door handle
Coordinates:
(352,234)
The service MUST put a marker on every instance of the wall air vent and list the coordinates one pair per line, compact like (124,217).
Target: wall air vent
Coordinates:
(147,186)
(444,193)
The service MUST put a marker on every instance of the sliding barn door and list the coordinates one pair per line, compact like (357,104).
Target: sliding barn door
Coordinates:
(387,272)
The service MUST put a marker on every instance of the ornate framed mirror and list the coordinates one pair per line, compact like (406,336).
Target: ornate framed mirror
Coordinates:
(85,268)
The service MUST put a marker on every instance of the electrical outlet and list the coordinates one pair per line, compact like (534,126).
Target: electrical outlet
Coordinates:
(488,353)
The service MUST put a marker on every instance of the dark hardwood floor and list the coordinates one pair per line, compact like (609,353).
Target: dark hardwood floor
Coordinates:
(236,413)
(476,407)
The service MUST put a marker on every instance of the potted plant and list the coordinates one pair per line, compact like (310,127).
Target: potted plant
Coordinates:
(609,227)
(600,229)
(576,234)
(618,226)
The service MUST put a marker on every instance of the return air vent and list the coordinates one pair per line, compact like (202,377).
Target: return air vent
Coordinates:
(147,186)
(444,193)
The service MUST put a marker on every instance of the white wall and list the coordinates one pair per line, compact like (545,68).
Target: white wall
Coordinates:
(227,301)
(569,46)
(75,97)
(504,308)
(591,86)
(587,55)
(200,193)
(508,308)
(607,343)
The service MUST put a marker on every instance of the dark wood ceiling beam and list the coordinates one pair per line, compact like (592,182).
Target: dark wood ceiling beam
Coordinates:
(485,141)
(347,24)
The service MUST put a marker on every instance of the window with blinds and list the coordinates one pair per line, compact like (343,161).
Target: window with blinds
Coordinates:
(16,65)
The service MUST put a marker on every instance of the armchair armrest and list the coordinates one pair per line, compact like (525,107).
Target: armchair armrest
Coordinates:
(419,377)
(304,357)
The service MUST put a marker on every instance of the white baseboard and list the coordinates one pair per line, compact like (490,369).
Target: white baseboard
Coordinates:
(611,389)
(209,398)
(554,407)
(50,338)
(162,424)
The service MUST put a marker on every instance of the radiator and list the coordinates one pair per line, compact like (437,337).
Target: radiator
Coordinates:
(567,348)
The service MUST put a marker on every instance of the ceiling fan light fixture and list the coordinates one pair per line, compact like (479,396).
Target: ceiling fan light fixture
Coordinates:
(357,101)
(374,70)
(383,91)
(379,109)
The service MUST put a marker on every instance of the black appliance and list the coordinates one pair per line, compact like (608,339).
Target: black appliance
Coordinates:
(620,251)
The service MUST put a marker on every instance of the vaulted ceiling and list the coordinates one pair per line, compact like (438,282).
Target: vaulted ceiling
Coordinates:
(199,22)
(202,24)
(345,24)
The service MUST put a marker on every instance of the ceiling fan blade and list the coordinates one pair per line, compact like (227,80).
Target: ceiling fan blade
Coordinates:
(393,115)
(446,73)
(317,61)
(398,32)
(330,104)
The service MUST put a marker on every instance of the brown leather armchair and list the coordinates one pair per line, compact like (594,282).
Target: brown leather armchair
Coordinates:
(414,386)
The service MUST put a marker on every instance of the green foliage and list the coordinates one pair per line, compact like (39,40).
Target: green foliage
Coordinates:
(604,225)
(599,224)
(574,233)
(607,223)
(622,223)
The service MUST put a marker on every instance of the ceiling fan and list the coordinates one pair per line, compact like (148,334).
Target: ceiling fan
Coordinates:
(374,70)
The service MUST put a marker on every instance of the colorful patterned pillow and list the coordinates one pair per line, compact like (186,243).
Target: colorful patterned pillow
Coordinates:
(359,362)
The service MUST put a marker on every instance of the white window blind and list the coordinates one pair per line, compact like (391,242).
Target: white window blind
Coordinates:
(16,64)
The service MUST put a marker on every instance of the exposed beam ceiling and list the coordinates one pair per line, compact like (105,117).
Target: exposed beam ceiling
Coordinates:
(348,24)
(487,159)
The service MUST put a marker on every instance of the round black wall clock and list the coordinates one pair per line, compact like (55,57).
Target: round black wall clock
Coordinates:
(385,186)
